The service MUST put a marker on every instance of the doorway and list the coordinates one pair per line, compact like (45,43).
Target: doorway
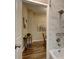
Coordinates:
(34,29)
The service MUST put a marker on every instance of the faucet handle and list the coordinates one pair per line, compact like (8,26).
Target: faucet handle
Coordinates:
(58,39)
(59,45)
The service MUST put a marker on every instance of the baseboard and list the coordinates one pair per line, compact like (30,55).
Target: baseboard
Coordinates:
(37,40)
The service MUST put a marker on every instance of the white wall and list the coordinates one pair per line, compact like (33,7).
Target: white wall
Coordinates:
(56,5)
(18,28)
(18,21)
(53,24)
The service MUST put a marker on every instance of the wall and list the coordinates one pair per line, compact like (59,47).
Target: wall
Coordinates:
(53,24)
(18,28)
(54,20)
(25,15)
(34,20)
(18,21)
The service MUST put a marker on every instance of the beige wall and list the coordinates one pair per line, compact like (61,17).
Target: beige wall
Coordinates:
(25,15)
(35,20)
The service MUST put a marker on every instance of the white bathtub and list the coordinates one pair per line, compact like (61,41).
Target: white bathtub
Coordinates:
(56,54)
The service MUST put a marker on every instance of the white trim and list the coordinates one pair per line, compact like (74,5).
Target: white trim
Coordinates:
(47,45)
(37,40)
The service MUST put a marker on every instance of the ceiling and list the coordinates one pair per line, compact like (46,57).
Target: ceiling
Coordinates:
(36,7)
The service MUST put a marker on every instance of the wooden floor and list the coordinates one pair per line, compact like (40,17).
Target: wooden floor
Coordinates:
(38,51)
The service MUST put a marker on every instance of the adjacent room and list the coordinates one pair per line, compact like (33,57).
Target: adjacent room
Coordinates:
(34,16)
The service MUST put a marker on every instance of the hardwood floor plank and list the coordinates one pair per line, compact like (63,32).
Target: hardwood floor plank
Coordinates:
(37,51)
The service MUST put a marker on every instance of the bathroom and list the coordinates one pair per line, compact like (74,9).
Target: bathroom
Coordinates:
(44,20)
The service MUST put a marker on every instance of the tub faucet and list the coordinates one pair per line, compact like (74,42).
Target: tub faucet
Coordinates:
(59,45)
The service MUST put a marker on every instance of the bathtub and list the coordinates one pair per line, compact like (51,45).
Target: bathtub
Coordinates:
(56,54)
